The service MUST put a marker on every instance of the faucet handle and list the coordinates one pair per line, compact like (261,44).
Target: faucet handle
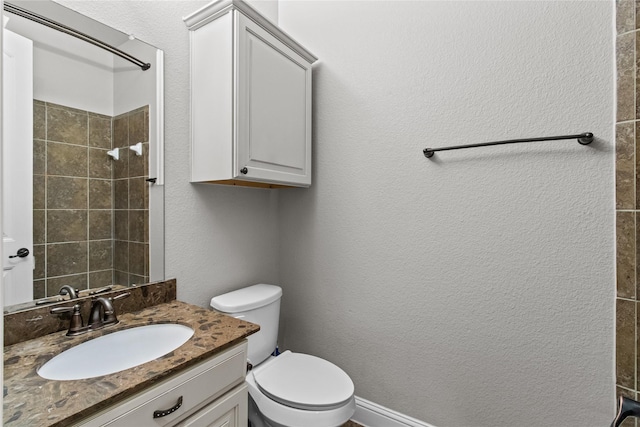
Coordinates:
(58,310)
(110,315)
(76,326)
(122,295)
(102,311)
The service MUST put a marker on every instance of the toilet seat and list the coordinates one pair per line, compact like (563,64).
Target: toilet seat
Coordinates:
(304,382)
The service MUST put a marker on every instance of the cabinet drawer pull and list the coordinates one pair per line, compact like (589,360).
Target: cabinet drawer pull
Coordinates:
(165,412)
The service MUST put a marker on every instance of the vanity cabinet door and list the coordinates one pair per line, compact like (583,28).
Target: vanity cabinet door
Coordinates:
(228,411)
(273,108)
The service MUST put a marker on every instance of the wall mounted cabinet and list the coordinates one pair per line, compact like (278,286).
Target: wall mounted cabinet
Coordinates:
(250,99)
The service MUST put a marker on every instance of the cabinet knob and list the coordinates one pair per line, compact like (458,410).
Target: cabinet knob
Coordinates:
(244,170)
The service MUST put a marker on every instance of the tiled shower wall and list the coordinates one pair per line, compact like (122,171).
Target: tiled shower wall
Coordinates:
(131,198)
(73,199)
(627,198)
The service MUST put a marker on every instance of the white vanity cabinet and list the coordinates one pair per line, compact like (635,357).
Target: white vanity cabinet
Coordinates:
(211,394)
(250,99)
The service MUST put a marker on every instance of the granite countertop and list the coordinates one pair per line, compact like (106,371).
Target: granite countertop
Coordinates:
(30,400)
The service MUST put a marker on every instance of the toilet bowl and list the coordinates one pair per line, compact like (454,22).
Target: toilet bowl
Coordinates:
(299,390)
(291,389)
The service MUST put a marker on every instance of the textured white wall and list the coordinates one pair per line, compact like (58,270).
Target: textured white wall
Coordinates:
(217,238)
(477,288)
(66,69)
(66,80)
(132,88)
(473,290)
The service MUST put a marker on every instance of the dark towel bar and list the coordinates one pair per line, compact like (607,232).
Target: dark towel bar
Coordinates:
(583,138)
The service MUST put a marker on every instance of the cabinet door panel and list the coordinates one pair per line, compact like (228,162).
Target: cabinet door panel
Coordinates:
(274,108)
(228,411)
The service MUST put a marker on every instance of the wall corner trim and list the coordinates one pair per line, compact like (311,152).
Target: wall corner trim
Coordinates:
(371,414)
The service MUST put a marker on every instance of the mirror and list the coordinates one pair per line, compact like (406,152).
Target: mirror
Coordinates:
(87,125)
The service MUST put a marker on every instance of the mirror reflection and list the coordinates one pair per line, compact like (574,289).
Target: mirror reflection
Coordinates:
(82,147)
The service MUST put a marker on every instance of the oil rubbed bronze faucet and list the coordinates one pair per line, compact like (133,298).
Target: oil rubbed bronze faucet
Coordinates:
(102,314)
(67,289)
(76,325)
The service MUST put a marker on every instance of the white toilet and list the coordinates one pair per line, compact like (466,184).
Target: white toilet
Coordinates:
(292,389)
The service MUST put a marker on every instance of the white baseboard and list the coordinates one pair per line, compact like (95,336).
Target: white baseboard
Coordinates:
(371,414)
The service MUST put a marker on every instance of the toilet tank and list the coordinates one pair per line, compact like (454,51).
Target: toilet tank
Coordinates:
(256,304)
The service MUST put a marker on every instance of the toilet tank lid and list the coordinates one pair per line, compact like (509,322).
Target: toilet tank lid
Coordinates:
(245,299)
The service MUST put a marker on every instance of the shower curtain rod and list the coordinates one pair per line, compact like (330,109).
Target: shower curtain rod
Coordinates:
(583,138)
(17,10)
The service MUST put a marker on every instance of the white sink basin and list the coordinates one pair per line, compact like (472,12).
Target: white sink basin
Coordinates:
(116,352)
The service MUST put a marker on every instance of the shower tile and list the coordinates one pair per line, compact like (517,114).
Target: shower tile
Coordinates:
(637,242)
(146,259)
(66,225)
(138,198)
(66,193)
(637,86)
(121,166)
(137,226)
(38,226)
(100,131)
(121,256)
(67,125)
(66,258)
(632,317)
(625,48)
(139,165)
(134,279)
(121,131)
(39,157)
(77,281)
(66,159)
(100,194)
(626,254)
(100,255)
(146,121)
(39,261)
(137,258)
(625,343)
(120,278)
(625,16)
(99,279)
(625,167)
(121,225)
(121,194)
(138,129)
(39,120)
(100,226)
(39,289)
(39,191)
(100,164)
(146,226)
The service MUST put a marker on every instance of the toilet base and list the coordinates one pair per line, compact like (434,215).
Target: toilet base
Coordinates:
(257,419)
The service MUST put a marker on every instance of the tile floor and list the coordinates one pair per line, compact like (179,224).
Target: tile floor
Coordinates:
(351,424)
